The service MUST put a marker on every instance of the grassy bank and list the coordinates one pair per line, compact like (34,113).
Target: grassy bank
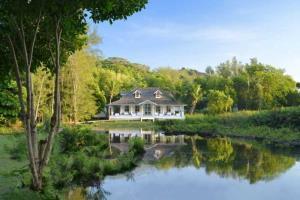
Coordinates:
(11,130)
(280,125)
(9,178)
(80,157)
(106,125)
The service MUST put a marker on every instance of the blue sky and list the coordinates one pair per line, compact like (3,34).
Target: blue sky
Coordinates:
(198,33)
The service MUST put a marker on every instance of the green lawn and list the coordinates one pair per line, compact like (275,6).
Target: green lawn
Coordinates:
(9,178)
(106,125)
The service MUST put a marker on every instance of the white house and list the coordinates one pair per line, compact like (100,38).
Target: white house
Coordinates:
(146,103)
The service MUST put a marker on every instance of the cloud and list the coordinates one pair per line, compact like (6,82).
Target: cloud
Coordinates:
(193,32)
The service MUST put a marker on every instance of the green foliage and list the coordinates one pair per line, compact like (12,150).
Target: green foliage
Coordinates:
(136,145)
(9,105)
(279,126)
(220,149)
(78,99)
(228,158)
(74,139)
(285,117)
(90,83)
(43,86)
(117,74)
(293,98)
(218,102)
(18,150)
(106,125)
(79,156)
(251,86)
(83,156)
(196,94)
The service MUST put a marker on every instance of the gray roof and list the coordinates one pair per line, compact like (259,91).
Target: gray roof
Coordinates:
(147,94)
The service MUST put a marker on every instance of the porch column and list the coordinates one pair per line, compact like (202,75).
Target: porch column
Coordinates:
(152,109)
(131,109)
(162,109)
(110,111)
(142,109)
(121,109)
(182,111)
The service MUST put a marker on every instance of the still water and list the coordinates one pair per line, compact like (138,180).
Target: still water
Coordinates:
(192,167)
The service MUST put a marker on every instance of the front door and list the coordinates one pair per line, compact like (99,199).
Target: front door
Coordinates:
(147,109)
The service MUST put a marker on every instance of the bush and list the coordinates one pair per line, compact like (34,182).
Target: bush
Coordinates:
(285,117)
(82,157)
(19,149)
(136,145)
(81,138)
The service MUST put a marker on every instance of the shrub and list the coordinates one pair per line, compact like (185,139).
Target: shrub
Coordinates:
(136,145)
(81,138)
(285,117)
(81,157)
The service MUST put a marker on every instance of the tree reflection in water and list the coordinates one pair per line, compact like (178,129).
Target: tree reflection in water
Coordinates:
(227,159)
(196,154)
(97,192)
(222,156)
(130,176)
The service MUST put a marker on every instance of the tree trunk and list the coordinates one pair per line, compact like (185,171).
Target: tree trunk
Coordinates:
(74,98)
(39,98)
(27,113)
(193,106)
(38,152)
(26,119)
(55,119)
(110,97)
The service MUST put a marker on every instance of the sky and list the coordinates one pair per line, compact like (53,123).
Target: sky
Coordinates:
(200,33)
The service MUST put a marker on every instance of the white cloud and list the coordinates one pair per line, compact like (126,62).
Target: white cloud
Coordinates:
(194,33)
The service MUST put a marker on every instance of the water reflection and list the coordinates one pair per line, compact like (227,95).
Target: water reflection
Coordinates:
(191,155)
(227,159)
(149,136)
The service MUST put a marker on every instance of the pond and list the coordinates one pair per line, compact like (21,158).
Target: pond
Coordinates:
(192,167)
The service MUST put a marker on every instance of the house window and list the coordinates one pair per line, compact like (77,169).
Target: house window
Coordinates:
(137,109)
(147,109)
(157,109)
(126,109)
(168,109)
(116,109)
(157,94)
(137,94)
(177,110)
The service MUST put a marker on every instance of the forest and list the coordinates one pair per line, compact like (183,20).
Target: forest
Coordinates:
(89,81)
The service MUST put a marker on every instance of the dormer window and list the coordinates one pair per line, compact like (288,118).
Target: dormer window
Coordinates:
(137,94)
(157,94)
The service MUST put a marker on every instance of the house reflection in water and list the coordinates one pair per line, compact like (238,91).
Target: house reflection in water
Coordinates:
(149,136)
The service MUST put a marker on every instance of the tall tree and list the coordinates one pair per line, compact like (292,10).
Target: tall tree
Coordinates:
(218,102)
(47,31)
(78,81)
(42,81)
(196,95)
(209,70)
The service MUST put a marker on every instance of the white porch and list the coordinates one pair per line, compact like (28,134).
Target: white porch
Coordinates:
(145,111)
